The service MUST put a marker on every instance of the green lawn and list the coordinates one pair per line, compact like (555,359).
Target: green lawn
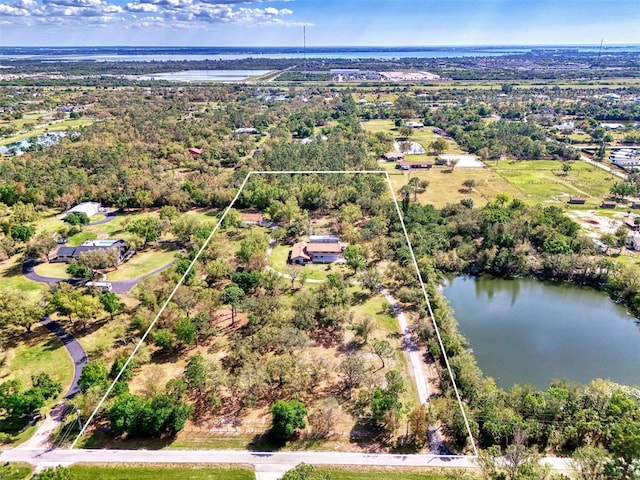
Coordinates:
(142,263)
(423,137)
(11,278)
(154,472)
(46,356)
(57,270)
(15,471)
(81,237)
(446,186)
(543,180)
(378,474)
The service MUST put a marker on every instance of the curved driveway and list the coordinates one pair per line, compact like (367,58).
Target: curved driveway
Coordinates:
(76,352)
(119,286)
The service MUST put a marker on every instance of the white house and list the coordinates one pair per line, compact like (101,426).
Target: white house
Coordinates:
(612,126)
(90,208)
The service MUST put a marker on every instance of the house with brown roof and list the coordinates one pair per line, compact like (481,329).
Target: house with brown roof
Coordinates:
(195,152)
(577,200)
(320,249)
(608,204)
(252,218)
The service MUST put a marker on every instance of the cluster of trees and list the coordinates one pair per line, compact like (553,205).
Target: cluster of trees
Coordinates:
(17,404)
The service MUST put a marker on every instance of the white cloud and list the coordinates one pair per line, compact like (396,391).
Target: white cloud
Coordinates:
(148,13)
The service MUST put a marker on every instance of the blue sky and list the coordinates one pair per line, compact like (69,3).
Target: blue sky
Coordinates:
(329,22)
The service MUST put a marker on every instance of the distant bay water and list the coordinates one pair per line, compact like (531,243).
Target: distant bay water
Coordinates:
(130,54)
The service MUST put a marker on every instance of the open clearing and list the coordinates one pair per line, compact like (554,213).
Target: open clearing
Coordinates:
(543,180)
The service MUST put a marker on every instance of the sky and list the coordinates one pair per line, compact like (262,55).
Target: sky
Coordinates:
(327,22)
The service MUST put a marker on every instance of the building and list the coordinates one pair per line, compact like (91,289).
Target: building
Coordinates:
(633,241)
(319,249)
(67,254)
(630,222)
(195,152)
(253,131)
(88,208)
(253,219)
(415,124)
(608,204)
(393,156)
(577,200)
(612,126)
(413,165)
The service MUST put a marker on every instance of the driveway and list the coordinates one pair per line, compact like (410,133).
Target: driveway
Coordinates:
(119,286)
(107,218)
(76,352)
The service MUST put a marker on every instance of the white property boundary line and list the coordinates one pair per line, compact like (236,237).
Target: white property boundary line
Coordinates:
(215,229)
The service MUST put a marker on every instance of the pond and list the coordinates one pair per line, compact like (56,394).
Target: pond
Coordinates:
(205,75)
(528,331)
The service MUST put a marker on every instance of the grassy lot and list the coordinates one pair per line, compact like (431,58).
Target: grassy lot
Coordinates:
(15,471)
(43,353)
(381,473)
(57,270)
(142,263)
(11,278)
(153,472)
(446,186)
(542,180)
(81,237)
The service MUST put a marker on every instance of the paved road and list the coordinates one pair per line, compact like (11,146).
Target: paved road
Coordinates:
(604,167)
(262,461)
(68,457)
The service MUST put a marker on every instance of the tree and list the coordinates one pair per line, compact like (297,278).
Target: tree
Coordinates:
(287,417)
(41,246)
(22,232)
(566,168)
(438,146)
(386,407)
(233,296)
(185,331)
(353,371)
(623,189)
(17,309)
(77,218)
(304,471)
(590,463)
(146,228)
(293,270)
(354,255)
(111,303)
(46,385)
(469,184)
(364,327)
(168,213)
(382,348)
(163,339)
(94,373)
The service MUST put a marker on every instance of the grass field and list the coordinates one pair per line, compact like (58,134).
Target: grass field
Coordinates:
(543,180)
(424,136)
(11,278)
(446,186)
(389,473)
(80,237)
(154,472)
(142,263)
(31,357)
(15,471)
(57,270)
